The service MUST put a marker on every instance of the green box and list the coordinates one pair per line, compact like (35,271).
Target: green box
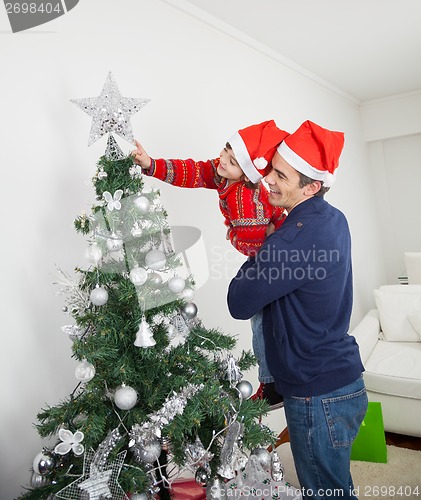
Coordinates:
(370,443)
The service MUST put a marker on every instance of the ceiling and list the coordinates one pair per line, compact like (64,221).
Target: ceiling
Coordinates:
(368,49)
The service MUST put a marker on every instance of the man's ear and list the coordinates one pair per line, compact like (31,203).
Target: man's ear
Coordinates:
(313,188)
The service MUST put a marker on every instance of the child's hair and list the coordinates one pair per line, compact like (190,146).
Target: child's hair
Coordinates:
(248,184)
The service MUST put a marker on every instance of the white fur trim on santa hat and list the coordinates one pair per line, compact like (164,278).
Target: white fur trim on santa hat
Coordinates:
(304,167)
(243,158)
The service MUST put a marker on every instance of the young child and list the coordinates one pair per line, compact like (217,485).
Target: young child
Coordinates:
(243,201)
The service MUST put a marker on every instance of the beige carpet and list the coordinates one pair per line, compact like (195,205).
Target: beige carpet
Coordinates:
(398,479)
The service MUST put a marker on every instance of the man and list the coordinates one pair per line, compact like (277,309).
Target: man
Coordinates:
(302,278)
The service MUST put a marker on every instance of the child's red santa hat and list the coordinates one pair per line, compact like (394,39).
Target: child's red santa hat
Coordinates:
(255,146)
(314,151)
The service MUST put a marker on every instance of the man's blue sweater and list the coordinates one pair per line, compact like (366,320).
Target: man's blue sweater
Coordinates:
(302,279)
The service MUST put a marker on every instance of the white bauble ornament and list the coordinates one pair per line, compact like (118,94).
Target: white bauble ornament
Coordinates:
(43,463)
(264,457)
(155,279)
(155,259)
(189,310)
(93,253)
(171,332)
(187,294)
(144,336)
(245,389)
(114,243)
(125,397)
(138,276)
(150,451)
(85,371)
(143,204)
(176,284)
(99,296)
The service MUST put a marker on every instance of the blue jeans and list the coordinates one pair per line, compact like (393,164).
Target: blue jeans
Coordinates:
(321,431)
(258,343)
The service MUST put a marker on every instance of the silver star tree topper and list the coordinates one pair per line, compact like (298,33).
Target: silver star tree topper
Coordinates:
(110,111)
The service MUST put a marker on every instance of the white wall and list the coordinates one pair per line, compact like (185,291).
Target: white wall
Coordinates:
(204,86)
(392,128)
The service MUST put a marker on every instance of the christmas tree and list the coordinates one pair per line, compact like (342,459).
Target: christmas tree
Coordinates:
(158,392)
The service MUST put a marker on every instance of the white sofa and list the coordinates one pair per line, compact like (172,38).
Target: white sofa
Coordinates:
(389,338)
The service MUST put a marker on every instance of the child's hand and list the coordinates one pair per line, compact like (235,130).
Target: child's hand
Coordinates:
(270,229)
(141,157)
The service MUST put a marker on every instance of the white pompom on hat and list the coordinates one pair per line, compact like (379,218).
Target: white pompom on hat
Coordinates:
(314,151)
(254,147)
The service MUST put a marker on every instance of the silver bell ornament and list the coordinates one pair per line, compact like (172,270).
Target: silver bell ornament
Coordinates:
(99,296)
(125,397)
(93,253)
(144,336)
(44,463)
(155,259)
(150,451)
(114,243)
(138,276)
(143,204)
(85,371)
(245,389)
(264,457)
(201,476)
(176,284)
(189,310)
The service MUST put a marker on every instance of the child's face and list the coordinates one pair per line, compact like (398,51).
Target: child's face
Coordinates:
(228,166)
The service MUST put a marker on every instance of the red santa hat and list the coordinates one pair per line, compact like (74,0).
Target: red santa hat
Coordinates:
(314,151)
(255,146)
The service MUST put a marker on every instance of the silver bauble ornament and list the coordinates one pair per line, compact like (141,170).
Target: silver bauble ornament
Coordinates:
(125,397)
(155,259)
(138,276)
(245,389)
(114,243)
(93,253)
(37,480)
(201,476)
(155,279)
(264,457)
(176,284)
(189,310)
(143,204)
(85,371)
(44,463)
(99,296)
(139,496)
(150,452)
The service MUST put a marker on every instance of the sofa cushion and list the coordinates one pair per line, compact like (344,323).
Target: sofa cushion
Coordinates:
(396,303)
(395,368)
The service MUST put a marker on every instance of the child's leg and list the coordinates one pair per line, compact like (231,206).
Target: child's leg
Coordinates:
(259,348)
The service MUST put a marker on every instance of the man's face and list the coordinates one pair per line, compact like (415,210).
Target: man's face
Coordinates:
(284,187)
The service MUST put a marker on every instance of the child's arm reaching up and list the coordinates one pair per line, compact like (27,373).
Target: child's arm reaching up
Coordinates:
(182,173)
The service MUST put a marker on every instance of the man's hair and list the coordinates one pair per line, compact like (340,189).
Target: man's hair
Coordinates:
(305,180)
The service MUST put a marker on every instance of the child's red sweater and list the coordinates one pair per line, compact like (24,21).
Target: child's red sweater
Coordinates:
(247,211)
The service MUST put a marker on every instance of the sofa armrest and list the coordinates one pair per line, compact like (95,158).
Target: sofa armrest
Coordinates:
(366,334)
